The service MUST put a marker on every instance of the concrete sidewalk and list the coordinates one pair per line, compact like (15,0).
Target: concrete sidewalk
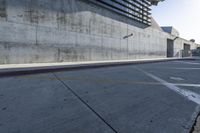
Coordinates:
(21,69)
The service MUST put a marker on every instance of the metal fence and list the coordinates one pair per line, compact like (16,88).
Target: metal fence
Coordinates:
(196,52)
(188,53)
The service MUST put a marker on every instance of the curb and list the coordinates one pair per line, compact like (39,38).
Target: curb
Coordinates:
(7,72)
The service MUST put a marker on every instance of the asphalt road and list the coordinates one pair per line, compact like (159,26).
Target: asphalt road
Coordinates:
(148,98)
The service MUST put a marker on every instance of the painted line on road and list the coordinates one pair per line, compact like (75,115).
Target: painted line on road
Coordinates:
(186,68)
(185,93)
(176,78)
(181,68)
(186,62)
(188,85)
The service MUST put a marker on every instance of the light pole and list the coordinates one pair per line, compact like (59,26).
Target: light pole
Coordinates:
(175,38)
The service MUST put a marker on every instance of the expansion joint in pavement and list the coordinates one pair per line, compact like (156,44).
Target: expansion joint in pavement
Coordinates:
(85,103)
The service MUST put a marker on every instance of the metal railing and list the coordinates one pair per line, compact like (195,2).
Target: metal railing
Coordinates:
(183,53)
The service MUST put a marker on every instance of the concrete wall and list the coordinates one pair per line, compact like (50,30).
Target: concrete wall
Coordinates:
(179,45)
(72,30)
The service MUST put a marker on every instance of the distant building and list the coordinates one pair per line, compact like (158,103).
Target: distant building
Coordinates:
(171,30)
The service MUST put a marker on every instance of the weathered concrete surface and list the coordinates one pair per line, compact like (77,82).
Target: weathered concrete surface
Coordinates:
(115,99)
(33,31)
(197,126)
(37,106)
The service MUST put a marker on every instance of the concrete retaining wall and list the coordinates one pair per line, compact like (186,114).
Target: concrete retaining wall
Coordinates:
(179,45)
(34,31)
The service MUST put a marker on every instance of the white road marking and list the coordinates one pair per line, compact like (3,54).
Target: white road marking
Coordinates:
(192,96)
(176,78)
(187,68)
(193,63)
(183,68)
(188,85)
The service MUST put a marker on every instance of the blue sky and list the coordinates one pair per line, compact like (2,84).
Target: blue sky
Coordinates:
(183,15)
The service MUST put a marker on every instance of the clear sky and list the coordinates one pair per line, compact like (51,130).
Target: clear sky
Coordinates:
(183,15)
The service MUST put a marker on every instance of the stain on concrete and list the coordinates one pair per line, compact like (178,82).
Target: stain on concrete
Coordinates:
(3,9)
(4,108)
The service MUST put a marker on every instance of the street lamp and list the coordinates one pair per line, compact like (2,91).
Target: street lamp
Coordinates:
(175,38)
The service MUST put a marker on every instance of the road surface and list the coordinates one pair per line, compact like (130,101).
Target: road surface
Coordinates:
(147,98)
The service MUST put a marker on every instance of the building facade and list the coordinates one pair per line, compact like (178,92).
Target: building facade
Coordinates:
(33,31)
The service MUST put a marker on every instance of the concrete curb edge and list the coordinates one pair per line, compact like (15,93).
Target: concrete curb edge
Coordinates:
(46,69)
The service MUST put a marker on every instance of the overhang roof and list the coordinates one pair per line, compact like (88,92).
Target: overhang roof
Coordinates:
(155,2)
